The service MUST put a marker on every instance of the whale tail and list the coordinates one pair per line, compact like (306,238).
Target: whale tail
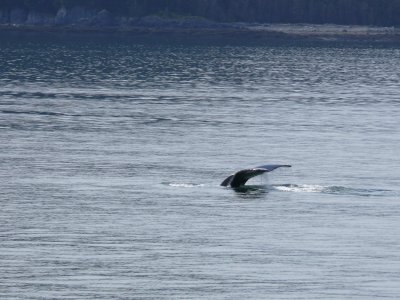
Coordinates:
(241,177)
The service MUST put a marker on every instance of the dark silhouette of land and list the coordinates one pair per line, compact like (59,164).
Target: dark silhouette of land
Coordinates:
(206,15)
(345,12)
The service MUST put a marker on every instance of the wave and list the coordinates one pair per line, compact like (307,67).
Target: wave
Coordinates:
(298,188)
(326,189)
(183,185)
(42,113)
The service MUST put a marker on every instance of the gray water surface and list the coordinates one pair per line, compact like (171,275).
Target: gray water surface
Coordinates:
(112,150)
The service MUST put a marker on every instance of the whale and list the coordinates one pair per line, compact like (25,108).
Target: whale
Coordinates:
(240,178)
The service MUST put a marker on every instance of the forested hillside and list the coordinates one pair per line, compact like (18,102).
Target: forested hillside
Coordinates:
(361,12)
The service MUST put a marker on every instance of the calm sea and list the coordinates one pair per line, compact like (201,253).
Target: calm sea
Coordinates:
(112,150)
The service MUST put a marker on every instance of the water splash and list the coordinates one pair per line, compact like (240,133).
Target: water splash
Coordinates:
(326,189)
(183,185)
(305,188)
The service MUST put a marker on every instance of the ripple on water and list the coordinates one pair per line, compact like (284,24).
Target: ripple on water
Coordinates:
(112,150)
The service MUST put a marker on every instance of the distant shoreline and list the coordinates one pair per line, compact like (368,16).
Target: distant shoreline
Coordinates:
(326,32)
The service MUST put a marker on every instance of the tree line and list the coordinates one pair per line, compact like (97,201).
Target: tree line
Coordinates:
(361,12)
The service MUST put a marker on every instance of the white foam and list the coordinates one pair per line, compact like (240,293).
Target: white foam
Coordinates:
(185,185)
(304,188)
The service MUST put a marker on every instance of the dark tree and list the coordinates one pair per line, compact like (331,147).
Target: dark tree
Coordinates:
(361,12)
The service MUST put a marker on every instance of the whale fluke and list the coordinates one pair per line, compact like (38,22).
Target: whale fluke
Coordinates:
(241,177)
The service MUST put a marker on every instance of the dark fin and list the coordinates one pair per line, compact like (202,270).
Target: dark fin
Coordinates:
(240,178)
(270,168)
(227,181)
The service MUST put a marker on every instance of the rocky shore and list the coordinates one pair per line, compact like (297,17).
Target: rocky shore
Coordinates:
(80,19)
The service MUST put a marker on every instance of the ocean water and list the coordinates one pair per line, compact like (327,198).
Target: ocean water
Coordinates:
(112,149)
